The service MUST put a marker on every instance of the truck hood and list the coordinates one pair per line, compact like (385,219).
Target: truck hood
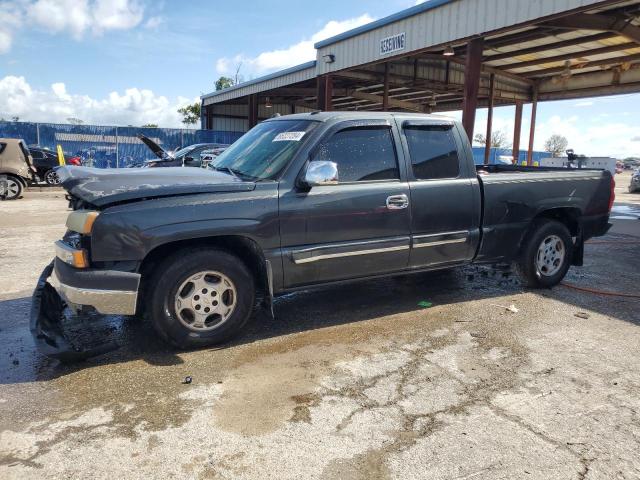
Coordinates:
(101,187)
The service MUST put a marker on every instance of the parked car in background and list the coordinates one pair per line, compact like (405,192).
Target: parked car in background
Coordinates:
(46,161)
(185,157)
(634,185)
(207,156)
(16,165)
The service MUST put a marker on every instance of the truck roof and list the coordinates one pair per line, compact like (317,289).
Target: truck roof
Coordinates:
(319,116)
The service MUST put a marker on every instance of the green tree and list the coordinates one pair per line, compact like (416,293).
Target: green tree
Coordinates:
(224,82)
(190,114)
(556,145)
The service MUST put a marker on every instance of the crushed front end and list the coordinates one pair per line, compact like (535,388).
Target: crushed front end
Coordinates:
(69,290)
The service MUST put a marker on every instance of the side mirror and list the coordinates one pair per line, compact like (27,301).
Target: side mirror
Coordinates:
(321,173)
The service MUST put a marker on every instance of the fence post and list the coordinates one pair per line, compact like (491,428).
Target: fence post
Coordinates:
(117,152)
(37,133)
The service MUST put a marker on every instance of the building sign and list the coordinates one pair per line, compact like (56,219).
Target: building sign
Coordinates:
(392,44)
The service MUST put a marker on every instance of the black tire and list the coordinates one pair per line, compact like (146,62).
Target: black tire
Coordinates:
(527,264)
(168,278)
(15,187)
(51,177)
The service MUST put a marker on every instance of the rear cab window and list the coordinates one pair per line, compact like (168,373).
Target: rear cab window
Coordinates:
(433,150)
(362,154)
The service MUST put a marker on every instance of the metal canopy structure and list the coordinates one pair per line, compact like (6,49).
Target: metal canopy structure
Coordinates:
(446,55)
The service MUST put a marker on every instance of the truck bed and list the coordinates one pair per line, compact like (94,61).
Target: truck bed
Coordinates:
(513,196)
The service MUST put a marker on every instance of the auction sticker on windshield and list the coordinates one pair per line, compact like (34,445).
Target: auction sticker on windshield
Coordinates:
(289,137)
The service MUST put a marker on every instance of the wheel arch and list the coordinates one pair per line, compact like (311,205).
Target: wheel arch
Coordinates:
(243,247)
(568,216)
(16,176)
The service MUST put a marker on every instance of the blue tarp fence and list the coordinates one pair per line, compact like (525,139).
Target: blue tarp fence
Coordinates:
(107,146)
(113,147)
(496,153)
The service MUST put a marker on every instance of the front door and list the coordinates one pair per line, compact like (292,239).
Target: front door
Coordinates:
(357,227)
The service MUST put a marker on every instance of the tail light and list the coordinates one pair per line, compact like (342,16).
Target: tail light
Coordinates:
(612,193)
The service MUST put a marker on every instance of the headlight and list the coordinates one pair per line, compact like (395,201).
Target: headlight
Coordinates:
(73,256)
(81,221)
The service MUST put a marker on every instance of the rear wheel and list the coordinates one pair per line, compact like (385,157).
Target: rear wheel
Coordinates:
(14,188)
(200,297)
(546,256)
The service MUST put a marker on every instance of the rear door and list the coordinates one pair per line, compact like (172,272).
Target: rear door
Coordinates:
(445,196)
(357,227)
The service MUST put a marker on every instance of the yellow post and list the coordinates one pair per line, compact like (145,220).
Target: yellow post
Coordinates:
(61,156)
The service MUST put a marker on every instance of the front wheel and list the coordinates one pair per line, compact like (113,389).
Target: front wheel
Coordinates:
(546,255)
(200,297)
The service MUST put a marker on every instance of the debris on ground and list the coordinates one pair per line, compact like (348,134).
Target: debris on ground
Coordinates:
(425,304)
(187,380)
(511,308)
(478,335)
(584,315)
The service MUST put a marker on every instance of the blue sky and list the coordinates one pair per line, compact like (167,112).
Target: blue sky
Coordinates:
(136,61)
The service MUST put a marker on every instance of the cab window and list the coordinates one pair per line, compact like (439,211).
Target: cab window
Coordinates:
(362,154)
(433,151)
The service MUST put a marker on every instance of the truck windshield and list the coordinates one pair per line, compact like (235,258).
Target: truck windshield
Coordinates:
(265,150)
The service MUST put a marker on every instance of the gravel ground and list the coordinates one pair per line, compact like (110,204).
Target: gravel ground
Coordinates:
(343,384)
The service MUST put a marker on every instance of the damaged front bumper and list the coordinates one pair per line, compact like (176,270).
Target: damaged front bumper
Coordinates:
(63,291)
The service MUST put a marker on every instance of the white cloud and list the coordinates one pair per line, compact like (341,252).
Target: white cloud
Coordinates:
(606,139)
(75,17)
(296,54)
(583,104)
(154,22)
(133,107)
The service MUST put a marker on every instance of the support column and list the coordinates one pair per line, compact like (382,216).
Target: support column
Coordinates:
(252,110)
(517,130)
(385,91)
(532,128)
(325,93)
(203,116)
(488,145)
(472,69)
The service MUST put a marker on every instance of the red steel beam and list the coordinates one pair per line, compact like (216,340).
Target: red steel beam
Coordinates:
(473,67)
(516,133)
(532,127)
(487,146)
(253,110)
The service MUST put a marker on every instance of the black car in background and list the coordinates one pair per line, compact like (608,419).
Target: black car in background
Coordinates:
(46,161)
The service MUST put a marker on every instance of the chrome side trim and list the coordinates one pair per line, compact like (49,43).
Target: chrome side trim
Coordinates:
(349,249)
(326,256)
(439,242)
(420,241)
(119,302)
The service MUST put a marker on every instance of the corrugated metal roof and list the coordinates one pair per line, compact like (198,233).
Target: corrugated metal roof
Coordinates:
(438,23)
(409,12)
(288,76)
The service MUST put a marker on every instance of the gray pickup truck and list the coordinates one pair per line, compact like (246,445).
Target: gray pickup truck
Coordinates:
(302,201)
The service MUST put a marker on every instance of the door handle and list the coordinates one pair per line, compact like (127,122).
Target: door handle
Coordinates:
(397,202)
